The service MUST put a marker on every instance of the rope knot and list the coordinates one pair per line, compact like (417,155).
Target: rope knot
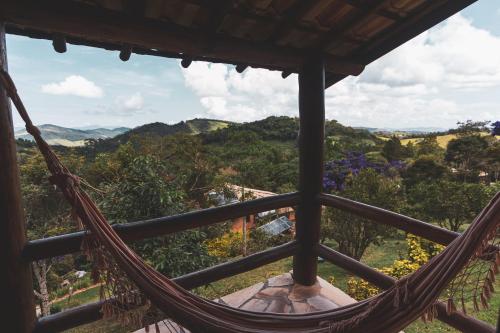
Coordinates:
(64,180)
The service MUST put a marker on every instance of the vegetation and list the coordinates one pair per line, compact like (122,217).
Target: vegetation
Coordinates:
(157,170)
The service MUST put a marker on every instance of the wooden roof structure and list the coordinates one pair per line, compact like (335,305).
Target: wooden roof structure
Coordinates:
(272,34)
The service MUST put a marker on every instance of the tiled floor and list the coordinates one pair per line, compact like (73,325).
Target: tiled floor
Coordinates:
(280,295)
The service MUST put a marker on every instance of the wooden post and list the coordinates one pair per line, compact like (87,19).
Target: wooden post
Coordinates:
(311,137)
(16,287)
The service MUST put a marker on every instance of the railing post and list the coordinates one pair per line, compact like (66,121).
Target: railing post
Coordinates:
(311,137)
(16,286)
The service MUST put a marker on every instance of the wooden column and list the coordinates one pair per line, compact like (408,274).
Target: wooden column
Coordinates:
(16,287)
(311,137)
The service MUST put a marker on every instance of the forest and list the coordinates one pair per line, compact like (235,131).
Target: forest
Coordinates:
(157,170)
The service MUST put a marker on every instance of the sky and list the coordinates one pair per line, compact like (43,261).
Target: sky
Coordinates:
(447,74)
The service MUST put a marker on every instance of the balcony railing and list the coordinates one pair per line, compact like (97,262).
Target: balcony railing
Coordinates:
(70,243)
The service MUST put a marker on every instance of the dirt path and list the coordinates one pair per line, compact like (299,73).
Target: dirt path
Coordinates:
(76,292)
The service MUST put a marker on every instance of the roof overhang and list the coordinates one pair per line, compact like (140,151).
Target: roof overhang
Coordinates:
(272,34)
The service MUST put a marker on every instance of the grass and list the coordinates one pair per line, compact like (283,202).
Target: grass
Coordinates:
(87,296)
(442,140)
(375,256)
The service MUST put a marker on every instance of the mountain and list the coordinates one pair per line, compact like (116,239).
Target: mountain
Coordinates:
(409,130)
(57,135)
(193,126)
(286,129)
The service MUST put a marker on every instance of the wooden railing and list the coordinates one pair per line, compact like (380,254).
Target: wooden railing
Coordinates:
(91,312)
(69,243)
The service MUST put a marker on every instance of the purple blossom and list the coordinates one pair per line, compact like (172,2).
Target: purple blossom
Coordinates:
(337,171)
(495,128)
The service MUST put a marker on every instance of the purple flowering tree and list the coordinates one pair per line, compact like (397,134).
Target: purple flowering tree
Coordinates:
(495,128)
(362,180)
(337,172)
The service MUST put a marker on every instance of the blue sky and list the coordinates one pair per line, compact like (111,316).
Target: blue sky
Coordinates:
(448,74)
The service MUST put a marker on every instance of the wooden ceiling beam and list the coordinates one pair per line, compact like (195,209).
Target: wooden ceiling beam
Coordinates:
(381,12)
(218,12)
(435,12)
(290,19)
(89,25)
(364,12)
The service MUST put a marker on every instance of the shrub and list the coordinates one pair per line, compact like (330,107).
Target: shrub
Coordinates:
(227,246)
(55,308)
(419,252)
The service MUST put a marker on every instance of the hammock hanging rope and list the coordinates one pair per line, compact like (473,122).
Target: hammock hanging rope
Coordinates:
(390,311)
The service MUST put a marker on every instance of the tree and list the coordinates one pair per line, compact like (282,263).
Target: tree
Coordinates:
(47,214)
(450,204)
(491,161)
(495,128)
(143,189)
(429,146)
(354,234)
(465,154)
(424,169)
(470,127)
(393,150)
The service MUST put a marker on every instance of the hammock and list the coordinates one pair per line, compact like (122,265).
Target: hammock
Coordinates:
(411,297)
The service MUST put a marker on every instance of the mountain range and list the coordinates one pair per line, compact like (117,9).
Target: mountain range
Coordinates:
(113,137)
(71,137)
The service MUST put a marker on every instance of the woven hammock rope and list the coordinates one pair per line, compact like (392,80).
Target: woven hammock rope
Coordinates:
(412,296)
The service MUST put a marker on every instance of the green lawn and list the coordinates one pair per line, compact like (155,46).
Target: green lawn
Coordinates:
(376,256)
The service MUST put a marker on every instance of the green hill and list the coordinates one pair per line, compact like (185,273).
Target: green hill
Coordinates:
(286,129)
(70,137)
(194,127)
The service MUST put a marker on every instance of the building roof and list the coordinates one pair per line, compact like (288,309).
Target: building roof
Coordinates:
(272,34)
(277,226)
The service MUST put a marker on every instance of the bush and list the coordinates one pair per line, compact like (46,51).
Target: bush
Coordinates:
(419,252)
(55,308)
(227,246)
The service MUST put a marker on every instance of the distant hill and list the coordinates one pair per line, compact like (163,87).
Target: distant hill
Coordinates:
(70,137)
(193,126)
(286,129)
(404,130)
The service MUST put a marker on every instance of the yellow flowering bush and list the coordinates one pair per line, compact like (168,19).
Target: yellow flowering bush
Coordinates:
(419,252)
(226,246)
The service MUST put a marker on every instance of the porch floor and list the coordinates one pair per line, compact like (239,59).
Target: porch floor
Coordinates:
(278,294)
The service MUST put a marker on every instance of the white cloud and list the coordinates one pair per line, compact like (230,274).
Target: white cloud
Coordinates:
(455,54)
(254,94)
(74,85)
(427,78)
(134,102)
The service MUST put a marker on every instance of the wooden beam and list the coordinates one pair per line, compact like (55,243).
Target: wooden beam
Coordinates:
(69,243)
(219,10)
(381,12)
(456,320)
(59,43)
(383,216)
(92,312)
(434,12)
(403,31)
(290,19)
(364,13)
(16,285)
(311,141)
(125,53)
(89,25)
